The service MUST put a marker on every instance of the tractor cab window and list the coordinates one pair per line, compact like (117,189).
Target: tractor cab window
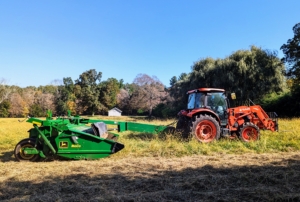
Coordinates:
(217,102)
(196,100)
(199,102)
(191,101)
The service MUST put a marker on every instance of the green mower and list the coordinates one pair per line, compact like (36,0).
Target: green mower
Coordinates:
(76,138)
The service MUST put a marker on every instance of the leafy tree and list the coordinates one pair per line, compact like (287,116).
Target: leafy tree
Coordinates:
(65,97)
(36,111)
(249,73)
(69,84)
(183,76)
(60,104)
(108,93)
(121,83)
(291,51)
(173,80)
(164,110)
(4,109)
(48,89)
(88,91)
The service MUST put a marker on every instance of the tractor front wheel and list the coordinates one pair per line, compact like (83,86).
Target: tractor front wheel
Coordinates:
(19,150)
(249,132)
(206,129)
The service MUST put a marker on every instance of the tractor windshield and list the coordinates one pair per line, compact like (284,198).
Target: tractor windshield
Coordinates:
(217,102)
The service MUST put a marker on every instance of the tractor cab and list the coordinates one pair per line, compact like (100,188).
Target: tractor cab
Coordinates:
(210,99)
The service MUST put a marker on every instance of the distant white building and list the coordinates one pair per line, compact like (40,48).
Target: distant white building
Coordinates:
(114,112)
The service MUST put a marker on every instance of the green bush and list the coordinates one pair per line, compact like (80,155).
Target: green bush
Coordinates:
(4,109)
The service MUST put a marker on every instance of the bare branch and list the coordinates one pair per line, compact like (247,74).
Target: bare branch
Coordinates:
(5,90)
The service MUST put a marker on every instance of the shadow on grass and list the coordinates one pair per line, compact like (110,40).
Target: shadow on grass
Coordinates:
(279,181)
(7,156)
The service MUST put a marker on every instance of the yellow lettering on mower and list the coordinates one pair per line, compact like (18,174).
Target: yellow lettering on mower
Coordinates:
(75,145)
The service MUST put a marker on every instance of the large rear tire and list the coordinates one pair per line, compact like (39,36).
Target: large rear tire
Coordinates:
(206,129)
(249,132)
(19,154)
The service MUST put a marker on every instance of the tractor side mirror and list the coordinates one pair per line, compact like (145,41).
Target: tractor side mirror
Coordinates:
(233,97)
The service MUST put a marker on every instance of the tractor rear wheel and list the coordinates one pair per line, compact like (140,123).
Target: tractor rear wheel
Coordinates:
(206,129)
(19,153)
(249,132)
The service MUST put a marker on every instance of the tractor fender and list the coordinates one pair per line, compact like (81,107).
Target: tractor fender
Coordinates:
(196,112)
(182,113)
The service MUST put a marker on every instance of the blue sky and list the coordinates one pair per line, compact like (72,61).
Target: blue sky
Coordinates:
(43,41)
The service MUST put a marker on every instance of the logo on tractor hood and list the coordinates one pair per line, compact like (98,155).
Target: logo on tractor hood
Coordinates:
(244,109)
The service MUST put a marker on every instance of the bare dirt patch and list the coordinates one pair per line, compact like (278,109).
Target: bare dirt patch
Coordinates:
(248,177)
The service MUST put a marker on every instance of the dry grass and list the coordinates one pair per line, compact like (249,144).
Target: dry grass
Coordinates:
(159,169)
(249,177)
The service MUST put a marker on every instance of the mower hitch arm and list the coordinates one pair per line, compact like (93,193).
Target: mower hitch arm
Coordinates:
(45,139)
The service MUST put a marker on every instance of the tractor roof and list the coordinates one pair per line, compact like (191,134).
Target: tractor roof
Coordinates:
(206,90)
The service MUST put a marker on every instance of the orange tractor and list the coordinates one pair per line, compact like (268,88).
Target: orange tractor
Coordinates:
(209,117)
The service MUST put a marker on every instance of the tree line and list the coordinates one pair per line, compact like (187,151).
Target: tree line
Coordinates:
(87,95)
(255,75)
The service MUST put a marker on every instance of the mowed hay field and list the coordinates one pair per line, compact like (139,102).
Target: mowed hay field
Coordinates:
(159,168)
